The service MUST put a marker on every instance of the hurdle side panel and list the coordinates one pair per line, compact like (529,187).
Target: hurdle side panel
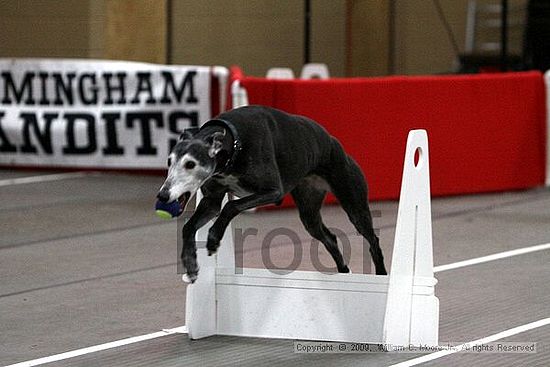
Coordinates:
(200,310)
(412,249)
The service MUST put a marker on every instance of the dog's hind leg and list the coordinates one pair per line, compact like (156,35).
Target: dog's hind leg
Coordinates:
(309,199)
(350,188)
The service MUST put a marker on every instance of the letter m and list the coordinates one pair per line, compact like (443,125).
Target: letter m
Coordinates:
(178,91)
(10,89)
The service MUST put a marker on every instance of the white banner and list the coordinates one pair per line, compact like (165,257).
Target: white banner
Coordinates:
(91,113)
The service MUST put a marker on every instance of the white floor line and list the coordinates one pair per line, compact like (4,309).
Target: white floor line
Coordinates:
(497,256)
(100,347)
(43,178)
(488,339)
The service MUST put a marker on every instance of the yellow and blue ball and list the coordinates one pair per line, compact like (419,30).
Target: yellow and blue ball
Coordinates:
(168,210)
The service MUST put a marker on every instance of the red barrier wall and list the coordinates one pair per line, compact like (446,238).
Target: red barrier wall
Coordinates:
(486,132)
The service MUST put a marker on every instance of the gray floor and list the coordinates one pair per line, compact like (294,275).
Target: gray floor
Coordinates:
(85,261)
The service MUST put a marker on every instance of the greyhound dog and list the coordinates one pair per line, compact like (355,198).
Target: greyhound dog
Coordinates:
(260,154)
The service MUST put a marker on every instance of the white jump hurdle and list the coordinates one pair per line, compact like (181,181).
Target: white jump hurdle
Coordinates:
(399,309)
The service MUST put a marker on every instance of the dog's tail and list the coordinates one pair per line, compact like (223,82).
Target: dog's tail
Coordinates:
(347,181)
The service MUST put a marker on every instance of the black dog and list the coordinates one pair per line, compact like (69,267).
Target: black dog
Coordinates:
(260,154)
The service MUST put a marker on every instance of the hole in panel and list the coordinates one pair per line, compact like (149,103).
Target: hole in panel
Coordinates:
(418,157)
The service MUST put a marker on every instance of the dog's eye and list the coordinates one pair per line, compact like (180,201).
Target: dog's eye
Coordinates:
(169,162)
(189,165)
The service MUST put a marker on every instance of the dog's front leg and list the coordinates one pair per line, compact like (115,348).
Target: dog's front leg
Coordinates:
(207,209)
(232,209)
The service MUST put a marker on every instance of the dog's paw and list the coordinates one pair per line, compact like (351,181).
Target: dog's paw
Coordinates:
(212,251)
(212,244)
(189,278)
(190,268)
(344,269)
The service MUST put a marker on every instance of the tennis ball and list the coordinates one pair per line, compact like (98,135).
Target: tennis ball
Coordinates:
(168,210)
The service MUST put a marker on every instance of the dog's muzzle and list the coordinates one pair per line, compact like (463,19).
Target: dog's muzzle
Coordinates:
(163,195)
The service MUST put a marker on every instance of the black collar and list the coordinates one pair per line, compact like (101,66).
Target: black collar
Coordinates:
(237,146)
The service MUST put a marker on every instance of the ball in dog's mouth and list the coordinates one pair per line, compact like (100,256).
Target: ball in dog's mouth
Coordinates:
(183,199)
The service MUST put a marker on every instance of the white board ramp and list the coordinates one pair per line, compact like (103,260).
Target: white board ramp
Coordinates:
(399,309)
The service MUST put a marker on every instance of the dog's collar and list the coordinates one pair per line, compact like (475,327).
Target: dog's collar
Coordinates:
(237,146)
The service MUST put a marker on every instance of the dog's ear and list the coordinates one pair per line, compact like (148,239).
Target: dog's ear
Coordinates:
(189,133)
(216,143)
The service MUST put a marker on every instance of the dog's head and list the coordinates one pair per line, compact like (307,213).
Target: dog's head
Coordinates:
(191,162)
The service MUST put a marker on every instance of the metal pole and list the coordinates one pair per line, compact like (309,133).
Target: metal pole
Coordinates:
(504,36)
(392,35)
(307,31)
(349,38)
(169,24)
